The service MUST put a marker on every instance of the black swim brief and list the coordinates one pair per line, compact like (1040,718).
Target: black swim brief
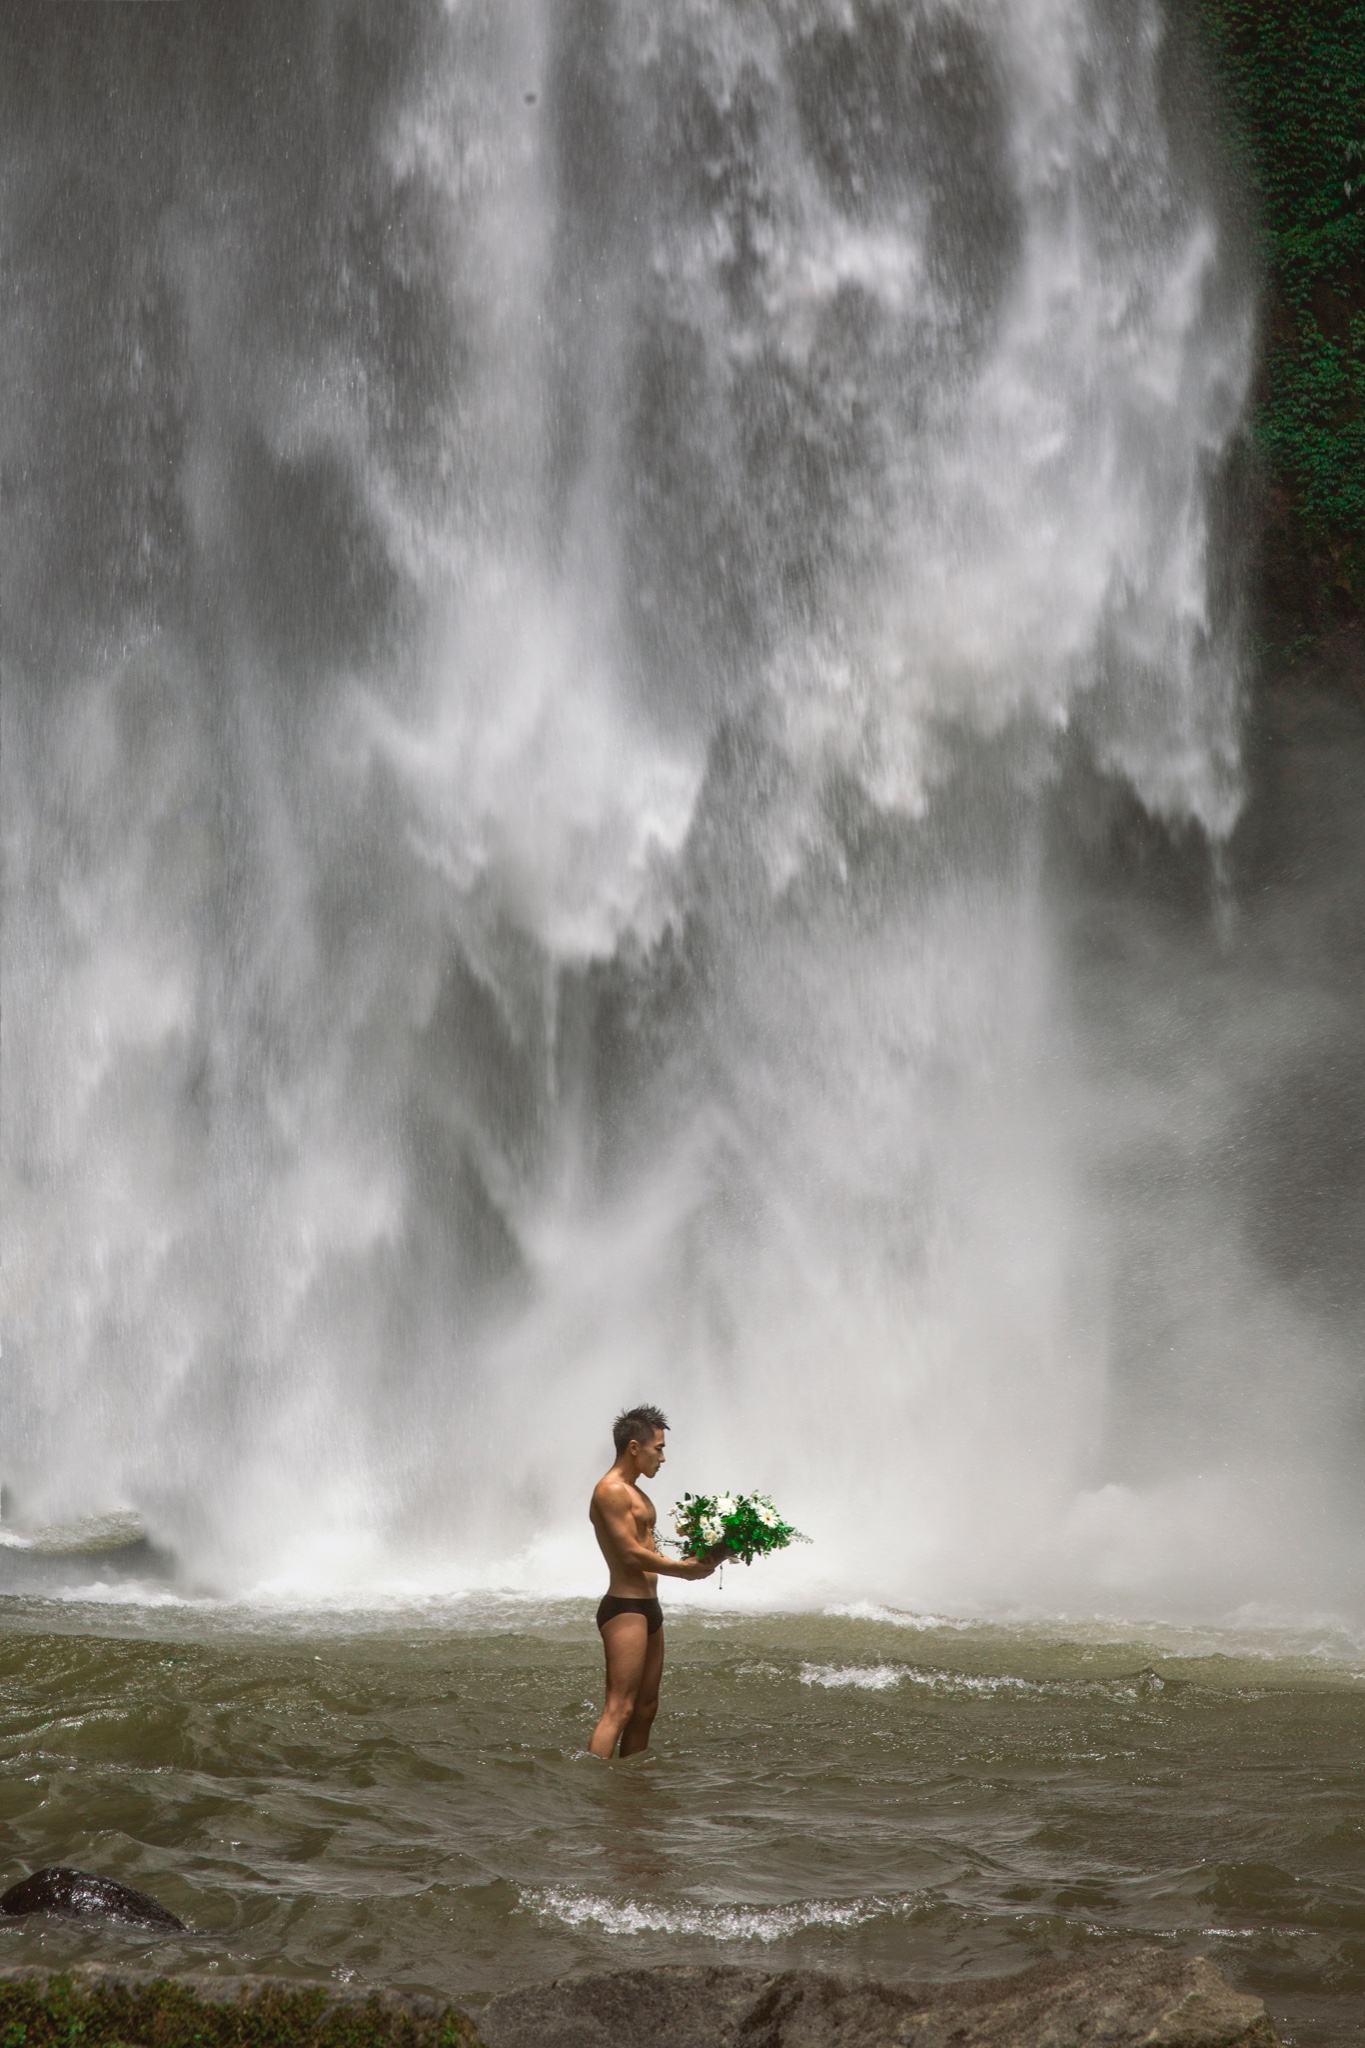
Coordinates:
(613,1604)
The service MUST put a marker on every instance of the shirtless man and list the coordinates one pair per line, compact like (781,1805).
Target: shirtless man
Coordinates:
(630,1617)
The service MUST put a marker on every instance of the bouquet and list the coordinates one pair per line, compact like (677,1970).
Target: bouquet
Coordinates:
(742,1525)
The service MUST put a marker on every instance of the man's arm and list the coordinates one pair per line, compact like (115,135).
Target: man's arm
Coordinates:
(618,1526)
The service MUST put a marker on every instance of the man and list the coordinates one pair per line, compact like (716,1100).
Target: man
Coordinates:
(630,1617)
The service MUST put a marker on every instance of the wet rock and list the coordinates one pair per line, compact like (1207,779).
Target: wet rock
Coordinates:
(1136,1996)
(79,1896)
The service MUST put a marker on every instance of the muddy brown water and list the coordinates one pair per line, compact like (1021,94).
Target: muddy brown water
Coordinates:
(404,1798)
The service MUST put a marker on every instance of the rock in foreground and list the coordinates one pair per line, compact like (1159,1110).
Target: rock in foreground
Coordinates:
(1137,1998)
(77,1895)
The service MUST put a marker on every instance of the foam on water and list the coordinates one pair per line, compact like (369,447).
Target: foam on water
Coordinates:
(866,1677)
(713,1923)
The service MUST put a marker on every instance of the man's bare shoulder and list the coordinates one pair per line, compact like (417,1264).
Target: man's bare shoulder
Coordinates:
(611,1490)
(614,1493)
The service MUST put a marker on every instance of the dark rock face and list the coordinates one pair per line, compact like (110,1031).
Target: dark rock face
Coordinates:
(1140,1996)
(80,1896)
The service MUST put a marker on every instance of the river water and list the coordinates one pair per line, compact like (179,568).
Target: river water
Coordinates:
(404,1798)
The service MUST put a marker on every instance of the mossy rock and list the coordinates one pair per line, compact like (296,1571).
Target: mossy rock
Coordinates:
(86,2011)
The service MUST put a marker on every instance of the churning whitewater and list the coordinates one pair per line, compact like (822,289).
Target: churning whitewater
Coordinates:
(567,556)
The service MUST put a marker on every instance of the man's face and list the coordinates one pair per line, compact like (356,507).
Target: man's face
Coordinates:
(651,1455)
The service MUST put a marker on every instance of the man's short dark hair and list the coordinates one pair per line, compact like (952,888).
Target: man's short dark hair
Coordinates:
(640,1425)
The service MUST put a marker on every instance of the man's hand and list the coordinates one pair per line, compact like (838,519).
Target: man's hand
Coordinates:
(696,1567)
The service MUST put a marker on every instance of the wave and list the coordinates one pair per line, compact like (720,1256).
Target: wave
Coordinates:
(716,1923)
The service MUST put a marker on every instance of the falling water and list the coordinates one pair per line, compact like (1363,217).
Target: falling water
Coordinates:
(563,564)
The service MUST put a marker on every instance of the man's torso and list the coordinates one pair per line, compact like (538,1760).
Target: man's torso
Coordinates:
(628,1580)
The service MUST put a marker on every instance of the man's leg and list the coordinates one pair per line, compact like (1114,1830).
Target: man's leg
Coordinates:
(625,1641)
(636,1736)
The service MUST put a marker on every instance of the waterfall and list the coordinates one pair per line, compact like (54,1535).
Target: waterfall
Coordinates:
(564,561)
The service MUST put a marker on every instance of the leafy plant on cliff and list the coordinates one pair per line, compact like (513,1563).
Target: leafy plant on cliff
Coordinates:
(1295,74)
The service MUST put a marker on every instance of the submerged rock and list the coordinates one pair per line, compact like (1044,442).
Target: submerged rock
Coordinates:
(79,1896)
(1137,1996)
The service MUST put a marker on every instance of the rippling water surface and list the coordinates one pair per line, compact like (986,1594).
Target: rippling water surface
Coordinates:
(406,1798)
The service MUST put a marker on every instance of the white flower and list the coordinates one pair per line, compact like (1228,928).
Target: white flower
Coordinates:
(726,1505)
(768,1518)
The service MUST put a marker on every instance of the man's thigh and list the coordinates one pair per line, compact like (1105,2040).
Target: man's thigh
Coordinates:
(653,1669)
(625,1643)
